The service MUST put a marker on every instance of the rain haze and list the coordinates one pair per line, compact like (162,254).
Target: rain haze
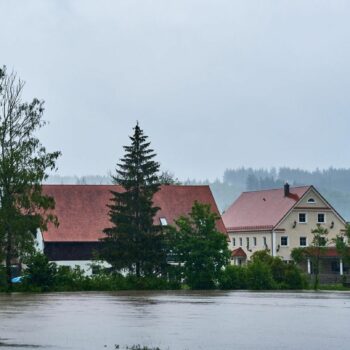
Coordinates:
(215,84)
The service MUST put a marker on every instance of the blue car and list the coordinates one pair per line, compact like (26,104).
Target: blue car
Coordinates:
(17,279)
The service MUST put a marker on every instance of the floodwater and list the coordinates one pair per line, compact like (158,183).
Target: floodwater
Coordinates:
(176,320)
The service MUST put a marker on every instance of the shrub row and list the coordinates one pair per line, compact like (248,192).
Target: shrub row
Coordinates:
(44,276)
(263,273)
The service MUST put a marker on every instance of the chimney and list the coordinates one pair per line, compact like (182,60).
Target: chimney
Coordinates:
(286,189)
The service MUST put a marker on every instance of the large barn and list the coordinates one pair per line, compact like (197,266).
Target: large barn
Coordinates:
(83,215)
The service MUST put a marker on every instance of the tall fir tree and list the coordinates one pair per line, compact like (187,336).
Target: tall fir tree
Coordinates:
(134,243)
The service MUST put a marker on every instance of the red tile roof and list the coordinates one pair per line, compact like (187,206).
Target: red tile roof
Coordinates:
(239,252)
(261,210)
(83,213)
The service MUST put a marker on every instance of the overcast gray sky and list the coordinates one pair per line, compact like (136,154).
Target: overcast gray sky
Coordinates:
(215,84)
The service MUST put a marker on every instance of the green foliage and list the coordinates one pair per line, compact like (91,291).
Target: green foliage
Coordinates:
(200,250)
(134,243)
(233,277)
(44,276)
(294,278)
(23,166)
(259,276)
(40,272)
(263,256)
(263,272)
(3,282)
(299,255)
(316,249)
(342,243)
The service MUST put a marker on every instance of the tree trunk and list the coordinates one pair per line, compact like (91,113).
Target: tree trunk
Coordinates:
(8,261)
(138,269)
(317,272)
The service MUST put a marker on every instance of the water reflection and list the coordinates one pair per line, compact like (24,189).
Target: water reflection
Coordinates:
(175,320)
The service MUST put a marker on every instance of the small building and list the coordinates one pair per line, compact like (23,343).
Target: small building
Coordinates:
(83,215)
(279,220)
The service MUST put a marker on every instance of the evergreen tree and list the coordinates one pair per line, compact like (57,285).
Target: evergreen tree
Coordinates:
(134,243)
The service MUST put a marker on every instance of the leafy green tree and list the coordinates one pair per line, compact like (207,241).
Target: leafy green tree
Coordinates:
(299,255)
(316,250)
(233,277)
(285,276)
(23,165)
(200,250)
(40,272)
(259,276)
(313,252)
(133,242)
(342,242)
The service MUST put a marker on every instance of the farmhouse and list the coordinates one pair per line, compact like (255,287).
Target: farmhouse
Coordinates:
(280,220)
(83,215)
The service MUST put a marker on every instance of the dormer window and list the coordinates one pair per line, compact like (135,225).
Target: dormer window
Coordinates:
(311,201)
(163,222)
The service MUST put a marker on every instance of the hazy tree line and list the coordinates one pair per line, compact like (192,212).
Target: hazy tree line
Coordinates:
(333,183)
(255,179)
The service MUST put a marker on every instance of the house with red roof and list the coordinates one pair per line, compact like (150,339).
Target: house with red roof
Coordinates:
(82,213)
(279,220)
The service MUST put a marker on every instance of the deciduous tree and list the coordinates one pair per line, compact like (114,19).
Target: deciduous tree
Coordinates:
(24,162)
(199,249)
(316,249)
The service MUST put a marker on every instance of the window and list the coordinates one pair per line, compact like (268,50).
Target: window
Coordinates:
(233,241)
(284,241)
(163,222)
(321,218)
(311,201)
(254,240)
(240,241)
(302,218)
(303,242)
(248,242)
(265,243)
(335,266)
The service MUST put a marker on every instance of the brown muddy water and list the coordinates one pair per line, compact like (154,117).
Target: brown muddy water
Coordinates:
(176,320)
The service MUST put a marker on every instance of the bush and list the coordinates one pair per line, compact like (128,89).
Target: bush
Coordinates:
(233,277)
(3,282)
(43,276)
(40,272)
(259,276)
(294,278)
(69,279)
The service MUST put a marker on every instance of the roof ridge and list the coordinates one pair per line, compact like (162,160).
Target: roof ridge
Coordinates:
(101,185)
(277,189)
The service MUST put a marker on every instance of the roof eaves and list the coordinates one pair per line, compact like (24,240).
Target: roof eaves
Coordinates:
(294,205)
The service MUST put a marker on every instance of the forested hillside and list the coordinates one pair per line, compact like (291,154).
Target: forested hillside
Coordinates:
(334,184)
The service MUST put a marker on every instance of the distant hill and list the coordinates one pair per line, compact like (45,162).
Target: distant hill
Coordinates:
(334,184)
